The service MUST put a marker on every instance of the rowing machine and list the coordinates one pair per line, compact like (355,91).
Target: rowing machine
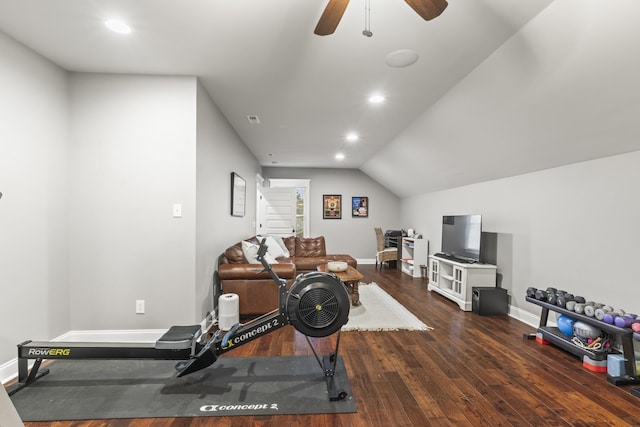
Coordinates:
(317,305)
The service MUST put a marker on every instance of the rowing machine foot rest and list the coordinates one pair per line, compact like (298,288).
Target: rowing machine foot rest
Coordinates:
(178,338)
(203,359)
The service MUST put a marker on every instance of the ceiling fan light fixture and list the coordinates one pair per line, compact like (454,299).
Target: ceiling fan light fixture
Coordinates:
(401,58)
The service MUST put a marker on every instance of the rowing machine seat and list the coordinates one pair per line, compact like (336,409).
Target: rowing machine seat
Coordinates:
(179,338)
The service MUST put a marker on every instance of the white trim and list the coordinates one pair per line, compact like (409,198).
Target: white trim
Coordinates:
(288,183)
(296,183)
(9,370)
(527,318)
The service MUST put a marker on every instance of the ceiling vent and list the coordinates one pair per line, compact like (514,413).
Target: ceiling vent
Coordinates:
(254,120)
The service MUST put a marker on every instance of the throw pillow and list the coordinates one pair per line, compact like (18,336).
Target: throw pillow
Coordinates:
(274,248)
(250,252)
(283,247)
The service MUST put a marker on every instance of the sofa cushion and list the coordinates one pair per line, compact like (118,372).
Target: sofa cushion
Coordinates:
(255,272)
(235,255)
(310,247)
(290,243)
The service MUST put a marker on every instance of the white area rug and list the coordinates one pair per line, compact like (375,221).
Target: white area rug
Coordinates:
(378,311)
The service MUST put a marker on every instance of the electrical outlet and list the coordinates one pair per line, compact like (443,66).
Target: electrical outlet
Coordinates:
(140,306)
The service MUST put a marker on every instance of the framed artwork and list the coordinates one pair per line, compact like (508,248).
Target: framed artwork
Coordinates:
(238,194)
(331,206)
(360,206)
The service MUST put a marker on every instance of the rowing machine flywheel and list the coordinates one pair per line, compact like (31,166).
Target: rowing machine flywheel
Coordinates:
(318,304)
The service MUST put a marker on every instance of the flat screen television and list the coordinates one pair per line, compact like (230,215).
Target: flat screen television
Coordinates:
(461,237)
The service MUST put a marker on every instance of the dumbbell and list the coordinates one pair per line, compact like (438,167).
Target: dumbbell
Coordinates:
(624,321)
(531,292)
(562,299)
(541,295)
(552,297)
(551,289)
(635,326)
(579,307)
(600,312)
(590,308)
(611,317)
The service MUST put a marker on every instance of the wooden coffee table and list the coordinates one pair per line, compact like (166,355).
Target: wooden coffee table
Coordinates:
(350,277)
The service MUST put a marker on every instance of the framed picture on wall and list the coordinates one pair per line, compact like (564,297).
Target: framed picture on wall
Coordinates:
(360,206)
(332,206)
(238,194)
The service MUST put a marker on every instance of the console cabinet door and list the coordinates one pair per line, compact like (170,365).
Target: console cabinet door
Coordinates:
(435,272)
(458,281)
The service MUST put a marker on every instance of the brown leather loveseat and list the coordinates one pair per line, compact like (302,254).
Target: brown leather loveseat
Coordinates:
(257,292)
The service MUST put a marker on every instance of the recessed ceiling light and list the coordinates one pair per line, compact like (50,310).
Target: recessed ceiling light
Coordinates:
(401,58)
(340,156)
(376,99)
(117,26)
(352,136)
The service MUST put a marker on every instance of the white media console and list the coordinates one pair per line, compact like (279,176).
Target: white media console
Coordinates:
(455,280)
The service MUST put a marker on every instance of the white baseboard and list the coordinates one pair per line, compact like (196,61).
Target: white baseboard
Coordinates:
(9,370)
(530,319)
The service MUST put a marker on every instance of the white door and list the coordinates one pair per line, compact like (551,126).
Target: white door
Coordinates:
(277,212)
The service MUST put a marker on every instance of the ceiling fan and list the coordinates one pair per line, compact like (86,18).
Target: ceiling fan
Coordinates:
(427,9)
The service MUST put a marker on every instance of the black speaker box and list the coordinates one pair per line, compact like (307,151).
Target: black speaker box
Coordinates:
(489,301)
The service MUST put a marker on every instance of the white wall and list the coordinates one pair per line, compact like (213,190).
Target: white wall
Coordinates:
(220,151)
(353,236)
(574,228)
(34,146)
(133,157)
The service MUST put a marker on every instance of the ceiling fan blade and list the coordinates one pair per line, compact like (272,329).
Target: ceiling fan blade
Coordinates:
(331,17)
(428,9)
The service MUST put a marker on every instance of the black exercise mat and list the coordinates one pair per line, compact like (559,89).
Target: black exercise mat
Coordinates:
(101,389)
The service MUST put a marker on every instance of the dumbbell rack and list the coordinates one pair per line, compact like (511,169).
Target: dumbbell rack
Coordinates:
(556,337)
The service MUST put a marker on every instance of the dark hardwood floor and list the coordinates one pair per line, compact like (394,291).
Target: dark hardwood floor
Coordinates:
(470,370)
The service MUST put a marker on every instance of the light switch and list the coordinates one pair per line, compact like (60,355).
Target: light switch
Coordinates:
(177,210)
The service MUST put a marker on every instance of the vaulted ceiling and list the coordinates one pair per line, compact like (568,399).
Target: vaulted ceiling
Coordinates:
(452,118)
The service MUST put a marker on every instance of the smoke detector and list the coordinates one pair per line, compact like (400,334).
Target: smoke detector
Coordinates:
(254,120)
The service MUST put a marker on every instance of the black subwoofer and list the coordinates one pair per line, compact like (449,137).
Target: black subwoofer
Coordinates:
(489,301)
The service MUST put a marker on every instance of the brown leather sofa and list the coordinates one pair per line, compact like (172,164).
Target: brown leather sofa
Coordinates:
(257,292)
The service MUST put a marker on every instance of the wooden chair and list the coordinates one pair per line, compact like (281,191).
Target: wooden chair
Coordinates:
(384,254)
